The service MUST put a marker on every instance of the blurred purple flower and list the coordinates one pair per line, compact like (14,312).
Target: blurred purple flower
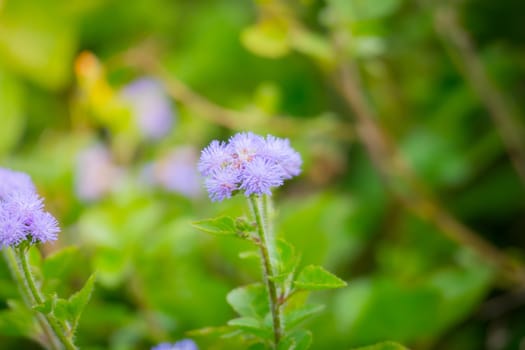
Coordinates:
(247,162)
(22,215)
(177,172)
(13,181)
(150,106)
(96,173)
(186,344)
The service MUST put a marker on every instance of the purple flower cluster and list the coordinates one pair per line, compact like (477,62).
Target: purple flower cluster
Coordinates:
(185,344)
(249,163)
(22,215)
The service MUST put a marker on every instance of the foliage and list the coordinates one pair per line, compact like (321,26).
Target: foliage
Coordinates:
(391,224)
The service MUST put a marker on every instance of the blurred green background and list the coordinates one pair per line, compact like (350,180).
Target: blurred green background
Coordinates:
(408,115)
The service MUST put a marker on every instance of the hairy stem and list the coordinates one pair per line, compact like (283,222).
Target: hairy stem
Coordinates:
(260,208)
(26,282)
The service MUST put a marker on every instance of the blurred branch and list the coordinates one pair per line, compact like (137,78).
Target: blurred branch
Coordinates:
(503,114)
(399,176)
(144,58)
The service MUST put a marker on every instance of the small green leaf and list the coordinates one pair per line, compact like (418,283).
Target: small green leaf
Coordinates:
(79,300)
(314,277)
(47,306)
(252,326)
(286,261)
(384,346)
(222,226)
(298,340)
(295,317)
(249,301)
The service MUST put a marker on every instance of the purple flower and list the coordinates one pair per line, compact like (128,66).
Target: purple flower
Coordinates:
(260,176)
(150,106)
(222,184)
(247,162)
(186,344)
(96,173)
(279,151)
(245,146)
(176,172)
(215,157)
(22,215)
(13,181)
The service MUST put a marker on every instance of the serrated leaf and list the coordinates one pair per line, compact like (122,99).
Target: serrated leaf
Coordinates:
(384,346)
(79,300)
(222,226)
(249,301)
(286,261)
(314,277)
(295,317)
(252,326)
(298,340)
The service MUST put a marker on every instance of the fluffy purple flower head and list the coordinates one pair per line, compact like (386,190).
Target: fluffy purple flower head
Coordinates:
(14,181)
(150,106)
(186,344)
(215,157)
(281,153)
(22,215)
(260,176)
(248,162)
(245,147)
(221,184)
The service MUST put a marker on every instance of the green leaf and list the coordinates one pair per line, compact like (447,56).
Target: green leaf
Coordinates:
(286,261)
(70,310)
(47,306)
(79,300)
(295,317)
(38,47)
(55,264)
(17,321)
(298,340)
(370,9)
(268,38)
(249,301)
(314,277)
(252,326)
(11,110)
(222,226)
(384,346)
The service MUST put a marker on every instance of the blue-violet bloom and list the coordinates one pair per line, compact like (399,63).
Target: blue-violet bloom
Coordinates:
(247,162)
(186,344)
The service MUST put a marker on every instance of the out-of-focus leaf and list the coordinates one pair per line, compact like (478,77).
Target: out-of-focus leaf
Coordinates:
(40,48)
(268,38)
(314,277)
(314,45)
(221,226)
(295,317)
(17,321)
(250,300)
(11,111)
(253,326)
(384,346)
(55,264)
(298,340)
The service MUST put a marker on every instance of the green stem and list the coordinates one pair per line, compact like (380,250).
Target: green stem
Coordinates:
(260,210)
(50,341)
(58,338)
